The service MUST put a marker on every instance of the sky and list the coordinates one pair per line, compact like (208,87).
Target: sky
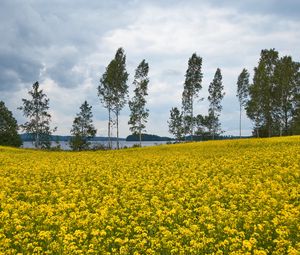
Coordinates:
(66,46)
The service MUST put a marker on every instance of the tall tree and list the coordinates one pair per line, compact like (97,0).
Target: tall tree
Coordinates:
(176,123)
(295,122)
(215,97)
(242,92)
(38,124)
(83,128)
(192,87)
(254,104)
(113,89)
(139,113)
(260,107)
(120,87)
(286,81)
(8,128)
(105,94)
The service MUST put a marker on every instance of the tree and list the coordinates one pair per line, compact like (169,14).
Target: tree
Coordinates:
(113,89)
(242,92)
(261,105)
(8,128)
(254,104)
(202,126)
(286,87)
(120,87)
(139,114)
(36,110)
(295,122)
(83,128)
(206,124)
(176,123)
(215,97)
(105,94)
(192,87)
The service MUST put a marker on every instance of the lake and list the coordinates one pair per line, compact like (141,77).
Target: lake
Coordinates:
(65,145)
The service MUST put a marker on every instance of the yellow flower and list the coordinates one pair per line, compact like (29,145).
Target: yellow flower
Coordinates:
(216,197)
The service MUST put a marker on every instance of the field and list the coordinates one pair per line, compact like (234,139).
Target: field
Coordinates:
(222,197)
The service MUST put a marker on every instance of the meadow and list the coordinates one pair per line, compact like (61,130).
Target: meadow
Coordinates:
(218,197)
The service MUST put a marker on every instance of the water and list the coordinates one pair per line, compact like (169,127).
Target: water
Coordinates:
(123,144)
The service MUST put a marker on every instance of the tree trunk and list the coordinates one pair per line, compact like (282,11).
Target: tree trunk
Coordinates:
(117,115)
(240,121)
(109,127)
(286,123)
(280,130)
(140,137)
(37,138)
(214,125)
(140,132)
(37,142)
(192,119)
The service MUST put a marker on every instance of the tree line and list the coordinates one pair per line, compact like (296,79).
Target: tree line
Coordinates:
(183,124)
(271,101)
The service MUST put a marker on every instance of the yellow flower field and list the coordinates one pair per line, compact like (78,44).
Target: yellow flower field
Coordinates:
(222,197)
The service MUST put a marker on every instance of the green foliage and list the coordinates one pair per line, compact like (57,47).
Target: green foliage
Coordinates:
(295,122)
(274,95)
(205,126)
(139,114)
(38,124)
(8,128)
(175,122)
(242,92)
(113,89)
(119,82)
(215,97)
(192,87)
(82,128)
(147,137)
(243,87)
(286,90)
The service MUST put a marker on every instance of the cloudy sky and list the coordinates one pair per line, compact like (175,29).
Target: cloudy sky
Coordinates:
(66,45)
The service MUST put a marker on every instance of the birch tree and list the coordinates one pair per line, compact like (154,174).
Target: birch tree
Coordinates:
(242,92)
(192,87)
(139,114)
(215,97)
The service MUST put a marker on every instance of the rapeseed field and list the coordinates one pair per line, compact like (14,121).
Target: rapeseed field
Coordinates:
(219,197)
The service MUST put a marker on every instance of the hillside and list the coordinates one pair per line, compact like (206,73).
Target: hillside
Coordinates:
(218,197)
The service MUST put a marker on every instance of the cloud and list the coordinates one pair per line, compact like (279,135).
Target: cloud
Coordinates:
(67,45)
(16,70)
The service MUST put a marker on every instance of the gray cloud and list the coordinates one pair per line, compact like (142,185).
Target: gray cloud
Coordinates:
(67,45)
(16,70)
(37,33)
(289,9)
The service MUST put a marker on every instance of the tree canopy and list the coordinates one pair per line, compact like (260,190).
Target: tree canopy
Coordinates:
(8,128)
(113,89)
(83,128)
(191,89)
(139,113)
(242,92)
(274,95)
(35,110)
(215,97)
